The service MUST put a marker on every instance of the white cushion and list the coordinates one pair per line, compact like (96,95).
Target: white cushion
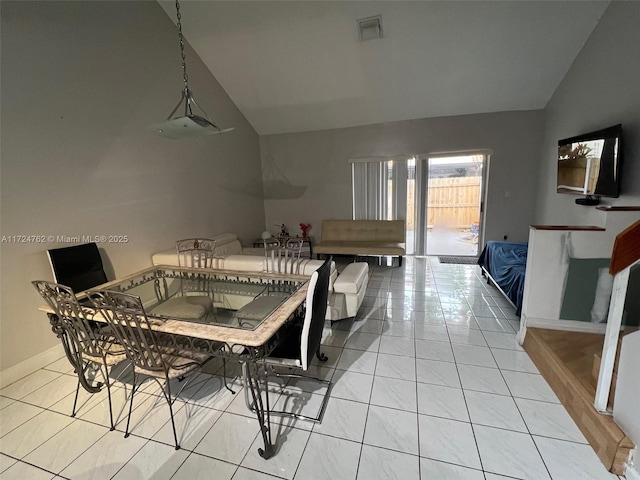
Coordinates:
(166,257)
(352,278)
(259,251)
(244,263)
(229,248)
(224,238)
(307,266)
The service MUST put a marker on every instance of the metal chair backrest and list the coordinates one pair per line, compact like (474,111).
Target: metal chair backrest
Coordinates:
(78,267)
(271,245)
(283,256)
(128,320)
(72,316)
(196,252)
(317,294)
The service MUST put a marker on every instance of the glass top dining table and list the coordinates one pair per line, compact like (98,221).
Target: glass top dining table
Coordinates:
(246,319)
(247,308)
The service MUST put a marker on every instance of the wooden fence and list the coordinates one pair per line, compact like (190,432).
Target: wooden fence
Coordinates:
(453,202)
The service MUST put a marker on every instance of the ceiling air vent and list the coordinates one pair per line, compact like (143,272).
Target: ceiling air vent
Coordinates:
(370,28)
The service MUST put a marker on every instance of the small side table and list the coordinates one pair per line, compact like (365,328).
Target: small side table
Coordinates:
(259,242)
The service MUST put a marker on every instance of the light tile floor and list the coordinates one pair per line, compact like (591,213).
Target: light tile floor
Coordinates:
(429,384)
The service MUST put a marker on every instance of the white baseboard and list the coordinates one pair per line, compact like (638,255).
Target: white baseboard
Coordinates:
(630,473)
(567,325)
(630,470)
(22,369)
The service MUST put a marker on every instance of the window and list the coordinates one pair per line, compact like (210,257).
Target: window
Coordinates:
(379,189)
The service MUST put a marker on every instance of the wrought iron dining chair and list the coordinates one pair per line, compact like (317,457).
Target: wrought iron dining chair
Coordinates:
(79,267)
(195,299)
(196,252)
(301,343)
(283,256)
(126,316)
(87,346)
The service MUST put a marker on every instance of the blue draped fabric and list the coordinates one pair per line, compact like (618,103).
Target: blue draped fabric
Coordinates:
(506,263)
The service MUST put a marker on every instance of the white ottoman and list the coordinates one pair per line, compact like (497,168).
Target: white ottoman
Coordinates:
(352,284)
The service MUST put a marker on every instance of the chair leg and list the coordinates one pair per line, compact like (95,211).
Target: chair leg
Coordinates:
(106,379)
(133,391)
(75,401)
(170,400)
(84,381)
(167,396)
(281,413)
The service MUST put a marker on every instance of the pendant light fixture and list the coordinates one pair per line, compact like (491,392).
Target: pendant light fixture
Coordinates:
(190,124)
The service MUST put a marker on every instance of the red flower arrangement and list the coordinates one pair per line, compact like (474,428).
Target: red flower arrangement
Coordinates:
(305,228)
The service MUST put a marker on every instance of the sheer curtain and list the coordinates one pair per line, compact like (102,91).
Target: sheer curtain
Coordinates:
(379,188)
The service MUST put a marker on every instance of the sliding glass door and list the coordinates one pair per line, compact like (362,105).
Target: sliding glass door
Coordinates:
(451,188)
(438,196)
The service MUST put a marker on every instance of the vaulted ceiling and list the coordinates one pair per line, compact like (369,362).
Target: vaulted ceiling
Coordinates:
(295,66)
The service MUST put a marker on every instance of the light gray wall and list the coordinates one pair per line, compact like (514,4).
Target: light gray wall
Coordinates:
(602,88)
(81,81)
(319,161)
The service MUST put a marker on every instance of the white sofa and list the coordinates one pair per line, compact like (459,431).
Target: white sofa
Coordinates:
(346,290)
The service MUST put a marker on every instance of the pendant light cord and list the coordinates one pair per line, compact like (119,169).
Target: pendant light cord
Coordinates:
(190,124)
(185,77)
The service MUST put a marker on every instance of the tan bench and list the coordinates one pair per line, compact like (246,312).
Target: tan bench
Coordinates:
(362,237)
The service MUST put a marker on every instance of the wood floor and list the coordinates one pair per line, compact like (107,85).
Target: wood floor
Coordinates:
(566,361)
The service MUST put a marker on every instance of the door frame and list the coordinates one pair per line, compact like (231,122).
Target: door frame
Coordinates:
(422,186)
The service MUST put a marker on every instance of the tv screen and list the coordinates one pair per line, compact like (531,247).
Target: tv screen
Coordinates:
(589,164)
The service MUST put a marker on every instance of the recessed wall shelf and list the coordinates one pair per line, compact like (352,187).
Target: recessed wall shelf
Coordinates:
(615,208)
(569,227)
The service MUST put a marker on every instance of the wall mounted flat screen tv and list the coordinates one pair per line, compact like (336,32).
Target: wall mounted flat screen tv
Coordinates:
(589,164)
